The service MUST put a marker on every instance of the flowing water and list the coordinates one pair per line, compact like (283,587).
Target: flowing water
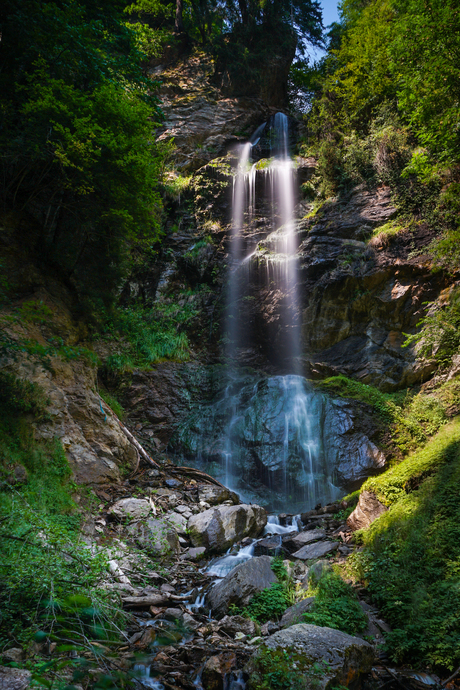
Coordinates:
(298,459)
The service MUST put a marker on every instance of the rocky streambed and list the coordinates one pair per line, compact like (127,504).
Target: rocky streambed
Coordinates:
(212,555)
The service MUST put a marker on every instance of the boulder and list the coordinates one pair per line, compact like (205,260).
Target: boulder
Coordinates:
(13,654)
(216,669)
(193,554)
(240,585)
(294,542)
(293,614)
(328,657)
(212,494)
(310,552)
(130,509)
(157,536)
(234,624)
(173,614)
(219,528)
(270,546)
(368,509)
(14,678)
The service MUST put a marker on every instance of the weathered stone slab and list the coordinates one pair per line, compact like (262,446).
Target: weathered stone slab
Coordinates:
(318,550)
(296,541)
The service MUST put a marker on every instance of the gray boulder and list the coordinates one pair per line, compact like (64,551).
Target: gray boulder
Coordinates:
(318,550)
(14,678)
(293,614)
(240,585)
(130,509)
(219,528)
(339,659)
(368,509)
(212,494)
(157,536)
(234,624)
(294,542)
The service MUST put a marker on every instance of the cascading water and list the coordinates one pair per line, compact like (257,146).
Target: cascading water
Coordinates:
(296,469)
(272,439)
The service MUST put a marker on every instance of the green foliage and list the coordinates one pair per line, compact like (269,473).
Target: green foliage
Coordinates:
(280,569)
(149,335)
(269,604)
(54,347)
(336,606)
(439,335)
(77,149)
(395,482)
(387,230)
(35,310)
(20,396)
(48,577)
(412,553)
(424,57)
(383,403)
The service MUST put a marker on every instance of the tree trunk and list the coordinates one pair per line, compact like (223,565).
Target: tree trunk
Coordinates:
(178,25)
(244,11)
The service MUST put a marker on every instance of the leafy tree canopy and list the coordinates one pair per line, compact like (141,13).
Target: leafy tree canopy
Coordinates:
(76,135)
(401,51)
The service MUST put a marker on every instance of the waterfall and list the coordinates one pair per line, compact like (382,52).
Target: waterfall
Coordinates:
(279,177)
(264,440)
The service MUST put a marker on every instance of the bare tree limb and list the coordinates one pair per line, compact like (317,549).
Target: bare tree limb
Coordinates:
(143,453)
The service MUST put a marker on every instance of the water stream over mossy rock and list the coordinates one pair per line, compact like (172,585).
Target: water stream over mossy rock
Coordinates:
(279,441)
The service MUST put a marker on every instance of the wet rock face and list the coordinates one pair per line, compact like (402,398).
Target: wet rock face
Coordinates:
(341,658)
(276,435)
(219,528)
(240,585)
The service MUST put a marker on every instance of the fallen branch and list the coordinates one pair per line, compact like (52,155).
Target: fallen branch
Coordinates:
(143,453)
(393,675)
(192,472)
(454,675)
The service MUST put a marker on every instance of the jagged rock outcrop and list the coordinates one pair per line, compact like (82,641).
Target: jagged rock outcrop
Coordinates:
(205,117)
(95,445)
(369,508)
